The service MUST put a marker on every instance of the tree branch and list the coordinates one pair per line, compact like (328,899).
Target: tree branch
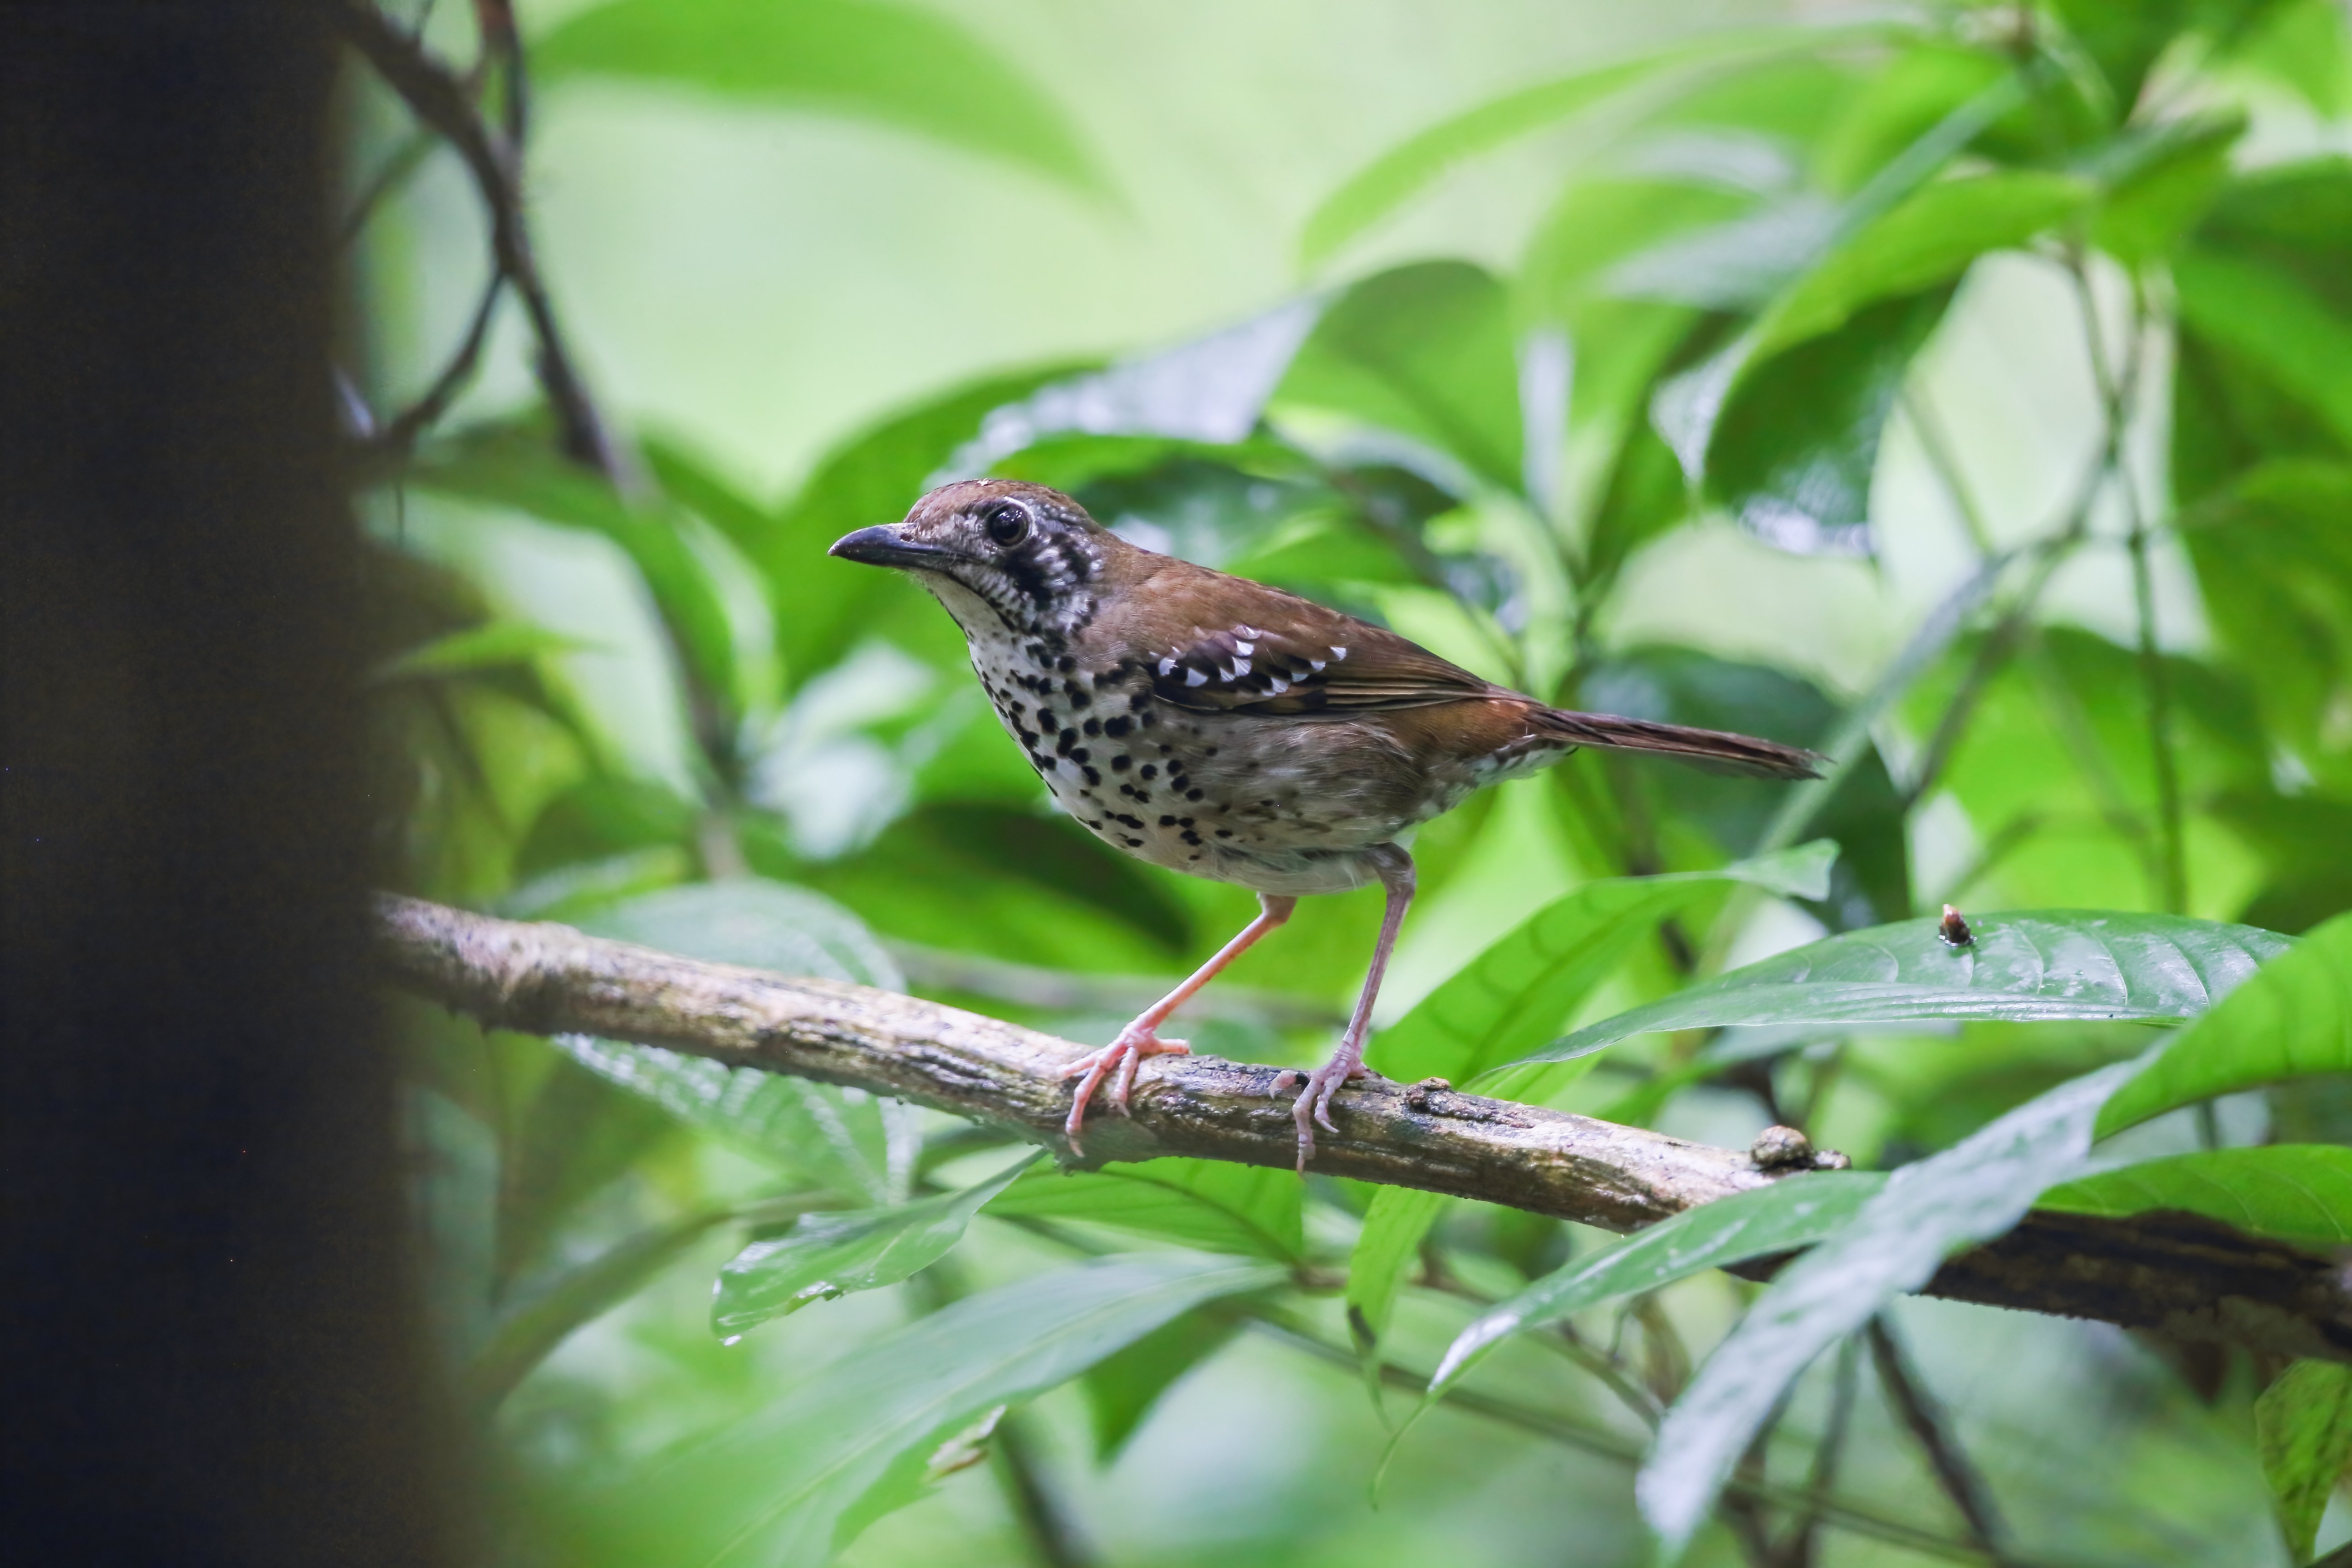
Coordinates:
(2176,1274)
(441,100)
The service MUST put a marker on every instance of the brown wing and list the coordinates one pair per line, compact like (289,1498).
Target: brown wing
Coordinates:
(1218,644)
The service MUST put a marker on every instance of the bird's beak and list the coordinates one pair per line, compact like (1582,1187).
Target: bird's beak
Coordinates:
(884,545)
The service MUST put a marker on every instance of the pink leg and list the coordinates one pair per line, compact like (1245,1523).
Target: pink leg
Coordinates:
(1314,1103)
(1141,1039)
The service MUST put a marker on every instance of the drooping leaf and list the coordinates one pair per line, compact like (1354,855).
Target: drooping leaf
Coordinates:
(1056,853)
(2298,1192)
(495,646)
(1792,450)
(2303,1427)
(1969,1193)
(1789,1214)
(579,1134)
(516,465)
(2291,1019)
(1386,1248)
(579,1295)
(2046,963)
(1426,351)
(2263,314)
(903,67)
(1124,1387)
(1405,170)
(1253,1211)
(826,1255)
(1209,389)
(1516,993)
(800,1478)
(1863,814)
(1923,242)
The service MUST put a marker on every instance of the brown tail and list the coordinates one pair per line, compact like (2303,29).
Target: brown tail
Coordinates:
(1715,750)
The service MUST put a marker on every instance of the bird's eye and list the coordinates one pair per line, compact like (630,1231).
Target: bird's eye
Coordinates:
(1007,522)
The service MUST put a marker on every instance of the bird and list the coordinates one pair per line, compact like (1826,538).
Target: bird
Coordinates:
(1229,730)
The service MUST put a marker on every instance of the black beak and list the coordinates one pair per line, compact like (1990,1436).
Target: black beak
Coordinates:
(883,545)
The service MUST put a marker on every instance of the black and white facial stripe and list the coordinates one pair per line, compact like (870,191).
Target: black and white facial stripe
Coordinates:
(1035,565)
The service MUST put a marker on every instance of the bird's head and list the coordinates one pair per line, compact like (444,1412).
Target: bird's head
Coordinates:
(1019,553)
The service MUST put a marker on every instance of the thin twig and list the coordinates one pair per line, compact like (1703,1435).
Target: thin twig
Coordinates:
(1802,1547)
(1611,1445)
(405,162)
(440,99)
(396,439)
(1917,1408)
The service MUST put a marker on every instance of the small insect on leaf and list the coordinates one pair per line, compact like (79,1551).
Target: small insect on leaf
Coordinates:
(1955,931)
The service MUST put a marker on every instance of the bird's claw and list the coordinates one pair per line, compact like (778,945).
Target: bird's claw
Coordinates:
(1120,1058)
(1313,1105)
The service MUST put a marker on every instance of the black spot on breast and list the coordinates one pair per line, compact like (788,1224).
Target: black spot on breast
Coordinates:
(1192,838)
(1093,777)
(1150,771)
(1196,794)
(1092,726)
(1167,822)
(1131,843)
(1134,822)
(1121,763)
(1224,833)
(1117,727)
(1065,664)
(1076,693)
(1045,719)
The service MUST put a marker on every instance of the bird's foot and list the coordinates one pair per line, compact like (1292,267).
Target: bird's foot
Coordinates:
(1315,1091)
(1118,1061)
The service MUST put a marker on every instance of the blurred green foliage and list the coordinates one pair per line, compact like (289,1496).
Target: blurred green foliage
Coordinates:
(1964,395)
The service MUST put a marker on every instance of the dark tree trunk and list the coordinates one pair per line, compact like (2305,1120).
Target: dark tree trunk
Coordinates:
(212,1352)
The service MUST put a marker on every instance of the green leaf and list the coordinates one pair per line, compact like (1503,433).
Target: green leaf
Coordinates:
(1927,1210)
(1426,351)
(1926,240)
(1257,1212)
(1786,1215)
(526,1335)
(829,1255)
(499,645)
(906,67)
(2303,1428)
(2263,312)
(1386,1250)
(2125,39)
(1405,170)
(1792,450)
(2299,1191)
(2106,964)
(2274,562)
(1054,853)
(797,1480)
(1518,991)
(578,1136)
(516,465)
(1124,1386)
(2294,1019)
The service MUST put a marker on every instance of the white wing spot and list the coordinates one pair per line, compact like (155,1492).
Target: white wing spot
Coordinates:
(1241,666)
(1167,667)
(1316,664)
(1194,677)
(1244,648)
(1278,686)
(1338,653)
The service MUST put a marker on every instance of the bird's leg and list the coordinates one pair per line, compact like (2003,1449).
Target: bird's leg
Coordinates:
(1141,1039)
(1314,1103)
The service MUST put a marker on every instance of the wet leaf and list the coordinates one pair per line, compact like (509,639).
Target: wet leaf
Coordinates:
(2291,1019)
(1516,993)
(1250,1210)
(1927,1210)
(1387,1249)
(2298,1191)
(897,65)
(833,1253)
(800,1478)
(1790,1213)
(2040,964)
(2303,1427)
